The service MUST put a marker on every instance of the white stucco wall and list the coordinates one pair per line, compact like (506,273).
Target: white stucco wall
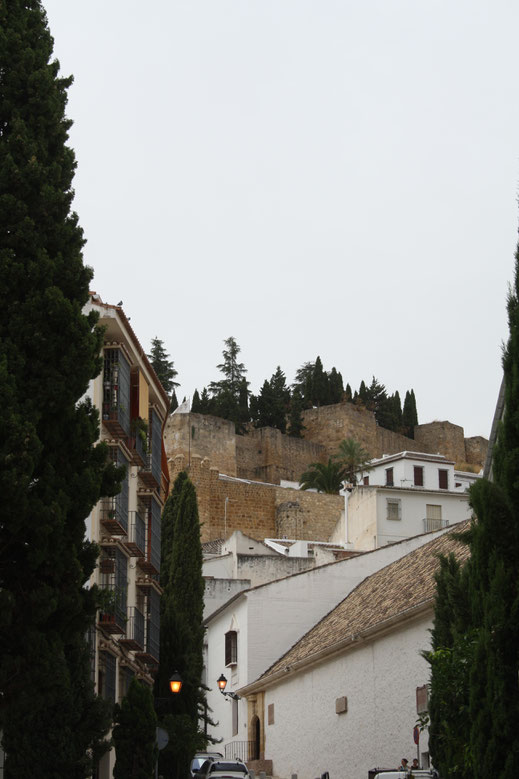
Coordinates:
(403,472)
(271,618)
(362,518)
(454,508)
(379,679)
(369,527)
(218,591)
(219,567)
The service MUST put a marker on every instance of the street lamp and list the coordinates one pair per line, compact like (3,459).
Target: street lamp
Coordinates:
(175,682)
(222,684)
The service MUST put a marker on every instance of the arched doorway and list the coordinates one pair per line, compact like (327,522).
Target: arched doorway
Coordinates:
(256,734)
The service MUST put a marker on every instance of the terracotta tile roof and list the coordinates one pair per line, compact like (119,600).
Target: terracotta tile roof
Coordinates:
(387,594)
(212,547)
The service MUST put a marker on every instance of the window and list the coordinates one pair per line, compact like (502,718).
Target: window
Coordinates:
(418,476)
(231,647)
(234,717)
(443,479)
(365,481)
(393,509)
(389,477)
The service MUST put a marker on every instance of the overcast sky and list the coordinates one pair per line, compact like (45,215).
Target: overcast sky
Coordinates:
(314,177)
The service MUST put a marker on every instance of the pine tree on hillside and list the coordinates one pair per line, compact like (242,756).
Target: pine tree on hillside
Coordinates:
(269,409)
(409,414)
(134,734)
(182,632)
(51,472)
(320,394)
(230,394)
(335,387)
(163,366)
(295,420)
(196,404)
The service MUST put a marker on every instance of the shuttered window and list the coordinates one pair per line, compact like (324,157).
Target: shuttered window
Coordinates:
(231,647)
(443,479)
(389,477)
(418,476)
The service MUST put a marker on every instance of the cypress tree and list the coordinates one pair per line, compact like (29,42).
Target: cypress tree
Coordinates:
(320,393)
(409,414)
(163,366)
(182,634)
(347,393)
(295,420)
(51,473)
(494,583)
(173,404)
(134,734)
(335,387)
(196,405)
(485,658)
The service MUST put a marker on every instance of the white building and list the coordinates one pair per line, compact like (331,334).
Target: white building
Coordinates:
(345,698)
(255,627)
(132,407)
(404,495)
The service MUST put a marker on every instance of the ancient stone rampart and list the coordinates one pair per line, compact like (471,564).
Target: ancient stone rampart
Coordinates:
(259,510)
(269,456)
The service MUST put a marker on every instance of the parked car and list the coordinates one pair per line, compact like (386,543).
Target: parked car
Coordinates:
(415,773)
(200,758)
(227,769)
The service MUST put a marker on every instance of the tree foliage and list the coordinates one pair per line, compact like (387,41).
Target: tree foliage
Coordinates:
(51,472)
(163,366)
(475,714)
(230,395)
(134,734)
(353,458)
(322,477)
(182,632)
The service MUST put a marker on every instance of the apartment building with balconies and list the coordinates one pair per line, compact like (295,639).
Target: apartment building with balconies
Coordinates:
(133,409)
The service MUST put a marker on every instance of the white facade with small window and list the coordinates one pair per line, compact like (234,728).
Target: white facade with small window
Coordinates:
(379,515)
(416,470)
(245,636)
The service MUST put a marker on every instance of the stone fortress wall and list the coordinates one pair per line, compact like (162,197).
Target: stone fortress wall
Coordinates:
(259,510)
(268,455)
(252,502)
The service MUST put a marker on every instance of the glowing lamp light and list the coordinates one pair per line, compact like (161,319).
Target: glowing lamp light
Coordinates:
(221,682)
(175,682)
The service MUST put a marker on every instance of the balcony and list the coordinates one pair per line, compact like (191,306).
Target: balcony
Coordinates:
(146,584)
(135,542)
(137,450)
(429,525)
(147,474)
(134,638)
(113,622)
(113,518)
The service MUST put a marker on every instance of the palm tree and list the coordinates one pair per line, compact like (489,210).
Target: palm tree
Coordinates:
(324,478)
(353,458)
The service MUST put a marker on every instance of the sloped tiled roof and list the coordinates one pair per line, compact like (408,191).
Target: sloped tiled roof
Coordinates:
(395,590)
(212,547)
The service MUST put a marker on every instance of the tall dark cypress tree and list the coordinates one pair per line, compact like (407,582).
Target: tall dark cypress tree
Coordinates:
(182,631)
(486,654)
(51,474)
(494,583)
(409,413)
(134,734)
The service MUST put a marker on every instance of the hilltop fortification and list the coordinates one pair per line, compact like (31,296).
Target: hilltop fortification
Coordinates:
(269,456)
